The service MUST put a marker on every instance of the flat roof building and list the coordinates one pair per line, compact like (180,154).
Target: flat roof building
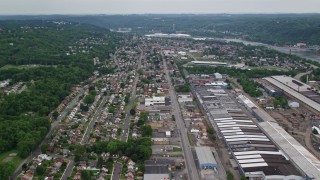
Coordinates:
(154,172)
(310,102)
(208,63)
(205,158)
(254,152)
(155,101)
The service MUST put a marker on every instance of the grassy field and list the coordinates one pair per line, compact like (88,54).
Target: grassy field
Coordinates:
(6,67)
(190,139)
(269,68)
(177,149)
(4,157)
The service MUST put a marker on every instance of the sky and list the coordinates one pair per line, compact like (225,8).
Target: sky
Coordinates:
(22,7)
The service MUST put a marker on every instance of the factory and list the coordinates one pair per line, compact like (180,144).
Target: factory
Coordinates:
(207,63)
(297,90)
(275,92)
(206,159)
(261,149)
(256,155)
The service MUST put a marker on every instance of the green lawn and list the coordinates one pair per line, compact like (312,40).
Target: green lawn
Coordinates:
(177,149)
(190,139)
(16,160)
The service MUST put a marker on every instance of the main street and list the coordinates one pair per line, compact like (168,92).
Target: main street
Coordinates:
(190,163)
(126,123)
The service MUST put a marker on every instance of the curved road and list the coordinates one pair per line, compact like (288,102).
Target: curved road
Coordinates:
(298,76)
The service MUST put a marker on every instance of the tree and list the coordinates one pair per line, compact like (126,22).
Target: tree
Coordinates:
(111,109)
(7,169)
(44,148)
(40,170)
(315,131)
(132,112)
(63,166)
(230,176)
(122,85)
(112,147)
(100,147)
(84,107)
(55,114)
(146,131)
(100,161)
(85,175)
(142,118)
(140,71)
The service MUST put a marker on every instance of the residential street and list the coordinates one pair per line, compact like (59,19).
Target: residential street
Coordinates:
(116,171)
(54,125)
(94,119)
(126,123)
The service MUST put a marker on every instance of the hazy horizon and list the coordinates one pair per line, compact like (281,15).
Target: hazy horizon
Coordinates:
(125,7)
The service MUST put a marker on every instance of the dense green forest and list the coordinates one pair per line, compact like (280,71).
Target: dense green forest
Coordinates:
(49,58)
(268,28)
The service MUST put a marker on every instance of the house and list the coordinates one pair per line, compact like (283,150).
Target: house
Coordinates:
(27,176)
(168,134)
(194,129)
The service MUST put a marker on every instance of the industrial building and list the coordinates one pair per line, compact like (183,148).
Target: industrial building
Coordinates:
(205,158)
(252,149)
(297,90)
(299,156)
(155,101)
(269,89)
(154,172)
(207,63)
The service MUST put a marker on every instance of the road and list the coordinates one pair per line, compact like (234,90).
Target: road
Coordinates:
(68,170)
(126,123)
(116,171)
(307,140)
(94,119)
(66,110)
(191,166)
(54,125)
(298,76)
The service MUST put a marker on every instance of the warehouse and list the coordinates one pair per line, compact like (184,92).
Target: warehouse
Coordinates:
(205,158)
(295,91)
(256,155)
(269,89)
(300,156)
(208,63)
(155,101)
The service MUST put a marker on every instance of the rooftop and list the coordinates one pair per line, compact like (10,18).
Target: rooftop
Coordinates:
(308,163)
(294,93)
(205,155)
